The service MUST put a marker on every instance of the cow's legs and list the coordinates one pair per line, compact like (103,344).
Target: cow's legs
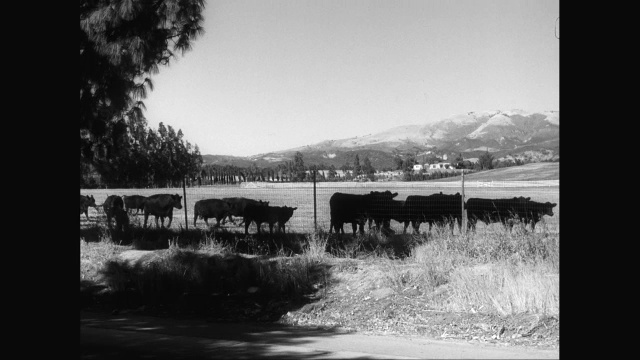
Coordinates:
(246,227)
(416,226)
(170,218)
(146,217)
(206,221)
(471,223)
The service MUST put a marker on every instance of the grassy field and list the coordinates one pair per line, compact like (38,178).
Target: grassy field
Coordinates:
(301,196)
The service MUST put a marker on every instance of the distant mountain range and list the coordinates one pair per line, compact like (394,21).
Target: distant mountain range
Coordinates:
(505,134)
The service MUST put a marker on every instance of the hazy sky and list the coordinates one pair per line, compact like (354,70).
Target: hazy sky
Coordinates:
(271,75)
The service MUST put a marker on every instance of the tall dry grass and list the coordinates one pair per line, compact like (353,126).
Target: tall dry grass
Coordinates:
(493,271)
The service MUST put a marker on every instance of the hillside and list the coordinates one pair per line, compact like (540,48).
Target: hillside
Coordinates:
(527,172)
(506,134)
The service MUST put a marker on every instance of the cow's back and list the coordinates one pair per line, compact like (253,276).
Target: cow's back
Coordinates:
(211,207)
(347,207)
(134,201)
(161,204)
(239,204)
(434,207)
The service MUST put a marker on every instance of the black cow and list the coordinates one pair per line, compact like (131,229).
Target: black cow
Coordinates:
(238,204)
(268,214)
(85,203)
(383,210)
(114,208)
(210,208)
(161,205)
(506,211)
(356,209)
(433,209)
(284,214)
(134,202)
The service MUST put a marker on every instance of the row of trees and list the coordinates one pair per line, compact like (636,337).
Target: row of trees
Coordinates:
(291,171)
(144,158)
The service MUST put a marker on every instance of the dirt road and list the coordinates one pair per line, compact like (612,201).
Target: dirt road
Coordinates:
(105,336)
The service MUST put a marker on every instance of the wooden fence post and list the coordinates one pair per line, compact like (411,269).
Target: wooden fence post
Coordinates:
(184,195)
(463,218)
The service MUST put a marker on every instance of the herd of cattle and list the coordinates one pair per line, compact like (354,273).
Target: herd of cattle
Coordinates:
(162,205)
(377,207)
(381,208)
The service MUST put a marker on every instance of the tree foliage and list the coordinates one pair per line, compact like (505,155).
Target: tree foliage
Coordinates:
(122,43)
(298,166)
(486,161)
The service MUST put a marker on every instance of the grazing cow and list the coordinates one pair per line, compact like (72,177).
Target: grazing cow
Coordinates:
(85,203)
(114,208)
(506,211)
(238,204)
(356,209)
(134,202)
(161,205)
(268,214)
(435,208)
(210,208)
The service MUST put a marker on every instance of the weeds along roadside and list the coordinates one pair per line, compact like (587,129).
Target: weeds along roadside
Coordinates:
(493,271)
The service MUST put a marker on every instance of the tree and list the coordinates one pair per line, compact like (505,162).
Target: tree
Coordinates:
(357,169)
(368,169)
(332,172)
(298,166)
(122,42)
(458,161)
(398,161)
(486,161)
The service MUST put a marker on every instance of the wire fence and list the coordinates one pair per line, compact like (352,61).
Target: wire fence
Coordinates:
(311,200)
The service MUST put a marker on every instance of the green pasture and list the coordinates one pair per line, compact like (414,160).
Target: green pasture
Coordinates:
(301,195)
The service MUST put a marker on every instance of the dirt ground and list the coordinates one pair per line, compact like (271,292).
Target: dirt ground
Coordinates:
(356,299)
(365,306)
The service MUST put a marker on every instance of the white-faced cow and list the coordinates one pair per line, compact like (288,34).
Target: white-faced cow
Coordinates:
(132,202)
(269,214)
(356,209)
(161,205)
(114,208)
(210,209)
(433,209)
(506,211)
(238,204)
(85,203)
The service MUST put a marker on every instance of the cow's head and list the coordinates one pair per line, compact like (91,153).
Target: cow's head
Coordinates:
(263,203)
(177,201)
(286,213)
(548,208)
(91,201)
